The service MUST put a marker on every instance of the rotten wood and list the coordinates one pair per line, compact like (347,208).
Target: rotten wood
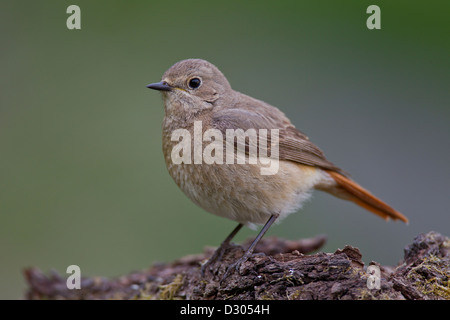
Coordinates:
(279,269)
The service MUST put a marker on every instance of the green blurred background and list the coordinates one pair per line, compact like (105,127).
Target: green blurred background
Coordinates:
(82,176)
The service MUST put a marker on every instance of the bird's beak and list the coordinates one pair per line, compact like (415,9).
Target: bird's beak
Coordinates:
(161,86)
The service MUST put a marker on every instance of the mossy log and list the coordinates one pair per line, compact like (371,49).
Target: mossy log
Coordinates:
(279,270)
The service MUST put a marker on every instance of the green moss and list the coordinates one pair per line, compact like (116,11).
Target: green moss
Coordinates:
(169,291)
(144,296)
(367,294)
(437,286)
(294,295)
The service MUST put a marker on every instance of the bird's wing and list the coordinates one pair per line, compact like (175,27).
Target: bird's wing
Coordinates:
(293,145)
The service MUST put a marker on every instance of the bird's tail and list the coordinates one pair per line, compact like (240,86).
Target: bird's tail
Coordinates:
(350,190)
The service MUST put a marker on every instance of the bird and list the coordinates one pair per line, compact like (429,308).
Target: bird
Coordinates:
(199,100)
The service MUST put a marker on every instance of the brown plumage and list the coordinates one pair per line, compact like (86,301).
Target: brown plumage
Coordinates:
(295,146)
(195,91)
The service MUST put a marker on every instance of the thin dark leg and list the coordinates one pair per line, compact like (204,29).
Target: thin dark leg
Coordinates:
(259,236)
(232,234)
(217,256)
(249,251)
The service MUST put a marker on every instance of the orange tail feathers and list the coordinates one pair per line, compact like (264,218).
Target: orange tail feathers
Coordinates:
(365,199)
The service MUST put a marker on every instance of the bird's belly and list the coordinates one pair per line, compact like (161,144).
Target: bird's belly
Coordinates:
(241,193)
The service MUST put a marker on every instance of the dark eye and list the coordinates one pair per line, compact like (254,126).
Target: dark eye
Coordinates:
(194,83)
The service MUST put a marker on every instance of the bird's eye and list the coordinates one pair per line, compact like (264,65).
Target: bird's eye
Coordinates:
(194,83)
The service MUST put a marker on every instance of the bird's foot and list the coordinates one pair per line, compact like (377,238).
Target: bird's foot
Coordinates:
(236,266)
(215,258)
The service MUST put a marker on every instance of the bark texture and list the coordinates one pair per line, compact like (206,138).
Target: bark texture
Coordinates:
(280,270)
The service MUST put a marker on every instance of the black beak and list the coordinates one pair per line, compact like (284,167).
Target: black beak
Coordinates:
(161,86)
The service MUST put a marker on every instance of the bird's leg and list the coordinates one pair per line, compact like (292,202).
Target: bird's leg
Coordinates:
(217,256)
(249,251)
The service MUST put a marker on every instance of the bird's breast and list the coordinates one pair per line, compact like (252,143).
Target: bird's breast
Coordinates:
(237,191)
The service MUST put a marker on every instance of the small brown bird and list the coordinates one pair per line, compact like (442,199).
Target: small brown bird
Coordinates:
(199,101)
